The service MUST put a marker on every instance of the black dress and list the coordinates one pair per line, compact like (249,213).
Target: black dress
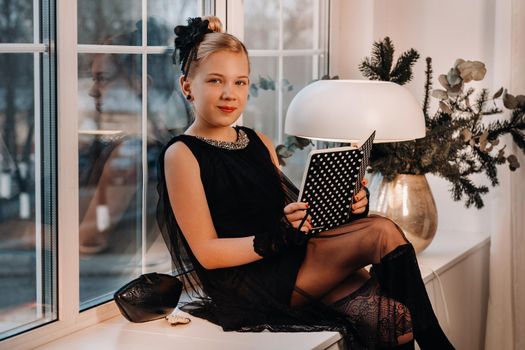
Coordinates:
(246,195)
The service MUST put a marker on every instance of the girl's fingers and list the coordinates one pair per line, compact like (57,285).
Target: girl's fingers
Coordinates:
(364,182)
(306,228)
(360,206)
(295,216)
(360,195)
(358,211)
(295,206)
(306,224)
(298,215)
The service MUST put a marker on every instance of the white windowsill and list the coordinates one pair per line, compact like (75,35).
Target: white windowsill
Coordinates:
(447,249)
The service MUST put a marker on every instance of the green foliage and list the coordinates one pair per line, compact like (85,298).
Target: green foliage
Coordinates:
(458,143)
(379,66)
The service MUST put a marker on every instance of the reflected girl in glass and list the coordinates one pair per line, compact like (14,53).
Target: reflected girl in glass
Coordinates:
(111,140)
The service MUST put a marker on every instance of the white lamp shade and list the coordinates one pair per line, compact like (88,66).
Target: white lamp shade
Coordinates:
(349,110)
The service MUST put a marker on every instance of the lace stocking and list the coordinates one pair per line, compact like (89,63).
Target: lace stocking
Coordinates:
(379,320)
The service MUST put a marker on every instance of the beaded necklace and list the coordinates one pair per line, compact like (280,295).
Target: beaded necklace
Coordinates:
(241,142)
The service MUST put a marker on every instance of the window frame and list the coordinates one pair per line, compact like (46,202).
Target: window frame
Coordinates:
(70,318)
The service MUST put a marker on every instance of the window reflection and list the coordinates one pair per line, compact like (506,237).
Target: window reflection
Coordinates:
(114,229)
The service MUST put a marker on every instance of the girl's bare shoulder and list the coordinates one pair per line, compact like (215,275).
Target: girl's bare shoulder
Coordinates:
(179,155)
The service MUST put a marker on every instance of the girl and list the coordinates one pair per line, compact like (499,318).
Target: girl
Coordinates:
(230,215)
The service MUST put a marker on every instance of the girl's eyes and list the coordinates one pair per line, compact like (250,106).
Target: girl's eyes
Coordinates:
(239,82)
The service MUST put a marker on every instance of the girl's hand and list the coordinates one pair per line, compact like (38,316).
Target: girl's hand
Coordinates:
(295,212)
(360,200)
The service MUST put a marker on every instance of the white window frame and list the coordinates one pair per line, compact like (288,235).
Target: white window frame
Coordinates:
(70,319)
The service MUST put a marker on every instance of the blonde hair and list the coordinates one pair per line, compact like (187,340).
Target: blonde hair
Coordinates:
(216,41)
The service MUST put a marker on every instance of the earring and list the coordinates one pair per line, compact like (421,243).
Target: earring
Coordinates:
(188,97)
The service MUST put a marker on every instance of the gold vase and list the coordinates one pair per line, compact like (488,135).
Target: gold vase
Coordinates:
(408,201)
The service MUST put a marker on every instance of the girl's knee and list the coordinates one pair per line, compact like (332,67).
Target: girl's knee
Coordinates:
(387,236)
(390,231)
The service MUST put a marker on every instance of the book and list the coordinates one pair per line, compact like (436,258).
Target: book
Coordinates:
(331,179)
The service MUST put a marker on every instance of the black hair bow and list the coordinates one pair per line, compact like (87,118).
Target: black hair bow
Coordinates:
(187,38)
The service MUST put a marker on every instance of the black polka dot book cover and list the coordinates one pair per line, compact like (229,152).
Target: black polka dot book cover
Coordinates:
(331,178)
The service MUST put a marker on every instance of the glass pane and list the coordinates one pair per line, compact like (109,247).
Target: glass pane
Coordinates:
(168,115)
(298,24)
(297,73)
(110,173)
(260,112)
(26,274)
(164,15)
(261,14)
(116,22)
(16,21)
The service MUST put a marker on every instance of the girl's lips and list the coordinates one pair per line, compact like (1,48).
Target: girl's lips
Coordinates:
(227,109)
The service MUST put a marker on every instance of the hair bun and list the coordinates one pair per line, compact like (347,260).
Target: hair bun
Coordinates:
(214,23)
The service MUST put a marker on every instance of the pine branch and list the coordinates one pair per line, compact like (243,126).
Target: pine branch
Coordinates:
(386,58)
(379,65)
(474,193)
(428,89)
(488,163)
(519,138)
(480,103)
(369,70)
(464,186)
(402,72)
